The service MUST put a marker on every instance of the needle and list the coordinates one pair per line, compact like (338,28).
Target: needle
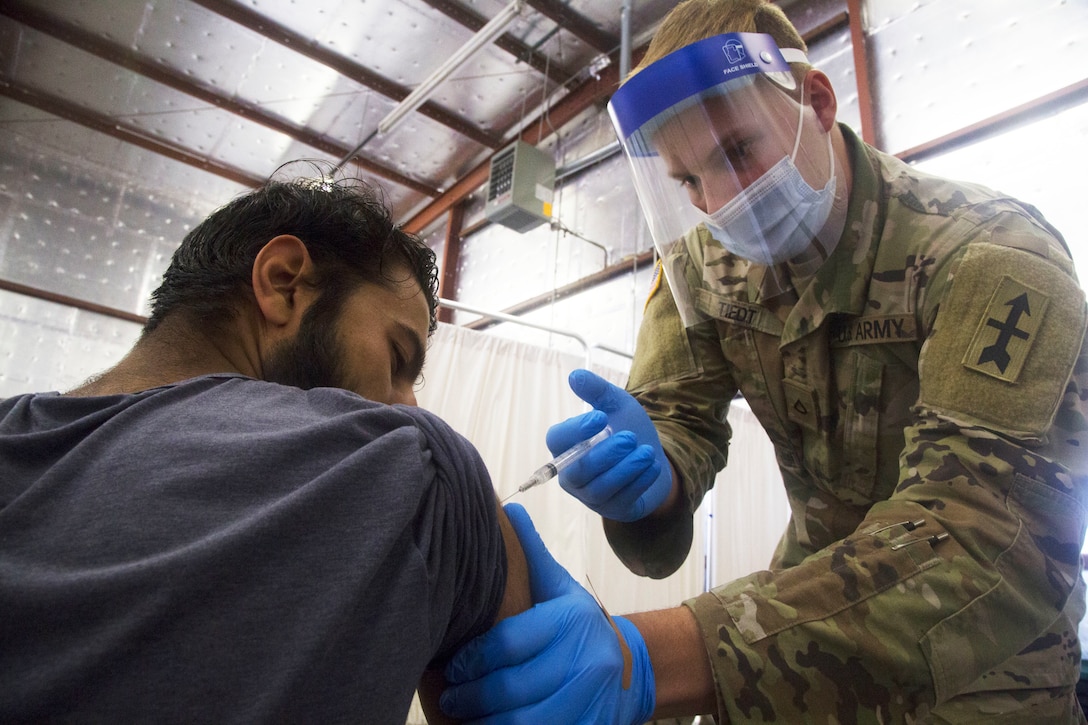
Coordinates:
(555,466)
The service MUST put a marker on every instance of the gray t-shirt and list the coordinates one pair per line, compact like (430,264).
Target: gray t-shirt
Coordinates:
(231,550)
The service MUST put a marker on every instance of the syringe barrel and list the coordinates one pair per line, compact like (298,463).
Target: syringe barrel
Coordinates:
(552,468)
(572,454)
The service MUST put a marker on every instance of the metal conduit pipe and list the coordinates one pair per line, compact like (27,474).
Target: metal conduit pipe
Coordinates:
(625,39)
(577,166)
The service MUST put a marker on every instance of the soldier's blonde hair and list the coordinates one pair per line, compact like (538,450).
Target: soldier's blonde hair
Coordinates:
(694,20)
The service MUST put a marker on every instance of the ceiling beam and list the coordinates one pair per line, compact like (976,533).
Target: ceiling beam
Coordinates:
(451,254)
(99,46)
(576,24)
(472,20)
(345,66)
(109,126)
(1051,104)
(831,25)
(57,298)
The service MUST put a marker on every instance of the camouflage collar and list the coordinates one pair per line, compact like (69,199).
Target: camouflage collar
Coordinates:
(841,284)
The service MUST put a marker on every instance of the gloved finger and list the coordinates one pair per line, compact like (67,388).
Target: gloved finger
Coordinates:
(562,436)
(597,391)
(656,492)
(515,687)
(547,577)
(475,701)
(510,642)
(622,508)
(623,483)
(598,460)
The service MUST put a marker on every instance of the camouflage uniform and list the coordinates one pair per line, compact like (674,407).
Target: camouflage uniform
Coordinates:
(926,398)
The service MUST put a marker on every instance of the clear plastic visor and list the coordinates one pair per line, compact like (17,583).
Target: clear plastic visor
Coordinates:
(704,142)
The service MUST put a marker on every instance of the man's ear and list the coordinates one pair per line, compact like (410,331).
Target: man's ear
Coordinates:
(822,97)
(281,273)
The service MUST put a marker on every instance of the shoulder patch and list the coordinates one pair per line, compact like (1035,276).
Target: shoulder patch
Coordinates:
(1004,342)
(1007,331)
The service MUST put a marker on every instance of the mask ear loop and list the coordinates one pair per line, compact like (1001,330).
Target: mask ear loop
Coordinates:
(797,141)
(800,124)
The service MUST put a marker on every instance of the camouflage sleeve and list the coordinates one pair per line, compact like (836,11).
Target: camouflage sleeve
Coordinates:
(964,586)
(681,379)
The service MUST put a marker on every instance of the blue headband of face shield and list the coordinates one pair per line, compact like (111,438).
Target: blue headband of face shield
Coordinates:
(692,72)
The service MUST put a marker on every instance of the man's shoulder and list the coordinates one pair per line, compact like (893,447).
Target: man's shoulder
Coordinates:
(244,394)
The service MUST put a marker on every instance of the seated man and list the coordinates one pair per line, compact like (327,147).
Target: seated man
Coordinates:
(247,519)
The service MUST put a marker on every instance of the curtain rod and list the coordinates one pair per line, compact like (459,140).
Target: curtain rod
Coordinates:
(588,346)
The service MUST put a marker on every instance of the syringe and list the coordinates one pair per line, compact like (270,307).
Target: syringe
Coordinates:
(557,465)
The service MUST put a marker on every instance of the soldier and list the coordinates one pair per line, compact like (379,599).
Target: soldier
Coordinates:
(913,348)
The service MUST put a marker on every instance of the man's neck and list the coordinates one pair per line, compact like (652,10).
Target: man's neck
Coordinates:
(169,354)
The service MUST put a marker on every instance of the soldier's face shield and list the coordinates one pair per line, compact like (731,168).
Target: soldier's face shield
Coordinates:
(712,136)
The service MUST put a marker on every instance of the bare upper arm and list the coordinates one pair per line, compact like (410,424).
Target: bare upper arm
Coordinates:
(516,598)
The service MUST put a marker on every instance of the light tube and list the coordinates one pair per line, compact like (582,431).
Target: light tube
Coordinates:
(483,36)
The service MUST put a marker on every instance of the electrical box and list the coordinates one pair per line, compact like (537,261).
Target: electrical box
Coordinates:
(520,187)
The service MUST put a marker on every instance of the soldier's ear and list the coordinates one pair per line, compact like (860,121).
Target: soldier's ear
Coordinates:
(822,97)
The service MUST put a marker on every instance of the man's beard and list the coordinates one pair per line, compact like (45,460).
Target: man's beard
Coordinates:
(312,359)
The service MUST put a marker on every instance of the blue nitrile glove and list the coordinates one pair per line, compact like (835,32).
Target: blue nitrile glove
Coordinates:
(557,663)
(625,477)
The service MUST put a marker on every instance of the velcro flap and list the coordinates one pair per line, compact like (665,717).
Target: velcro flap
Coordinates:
(1004,342)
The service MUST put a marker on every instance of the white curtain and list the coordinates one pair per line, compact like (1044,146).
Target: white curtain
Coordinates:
(503,395)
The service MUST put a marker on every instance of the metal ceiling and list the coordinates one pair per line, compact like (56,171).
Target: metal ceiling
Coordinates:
(238,88)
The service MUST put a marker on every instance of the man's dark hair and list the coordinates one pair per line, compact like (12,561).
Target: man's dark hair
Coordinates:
(344,224)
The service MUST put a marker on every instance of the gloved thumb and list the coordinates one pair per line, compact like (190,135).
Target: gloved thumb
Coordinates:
(547,578)
(596,391)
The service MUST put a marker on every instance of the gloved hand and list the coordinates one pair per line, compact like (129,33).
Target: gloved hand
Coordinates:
(557,663)
(625,477)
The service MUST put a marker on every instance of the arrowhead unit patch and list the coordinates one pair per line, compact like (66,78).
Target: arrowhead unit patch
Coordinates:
(1007,331)
(1000,352)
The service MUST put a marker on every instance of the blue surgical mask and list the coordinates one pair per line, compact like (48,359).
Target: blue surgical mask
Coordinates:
(778,215)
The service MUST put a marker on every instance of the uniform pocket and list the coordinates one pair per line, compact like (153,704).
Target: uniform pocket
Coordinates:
(840,578)
(1035,575)
(876,391)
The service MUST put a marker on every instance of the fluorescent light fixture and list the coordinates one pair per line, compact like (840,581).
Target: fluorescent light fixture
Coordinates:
(484,36)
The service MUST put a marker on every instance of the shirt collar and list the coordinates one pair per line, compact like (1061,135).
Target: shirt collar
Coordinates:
(841,285)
